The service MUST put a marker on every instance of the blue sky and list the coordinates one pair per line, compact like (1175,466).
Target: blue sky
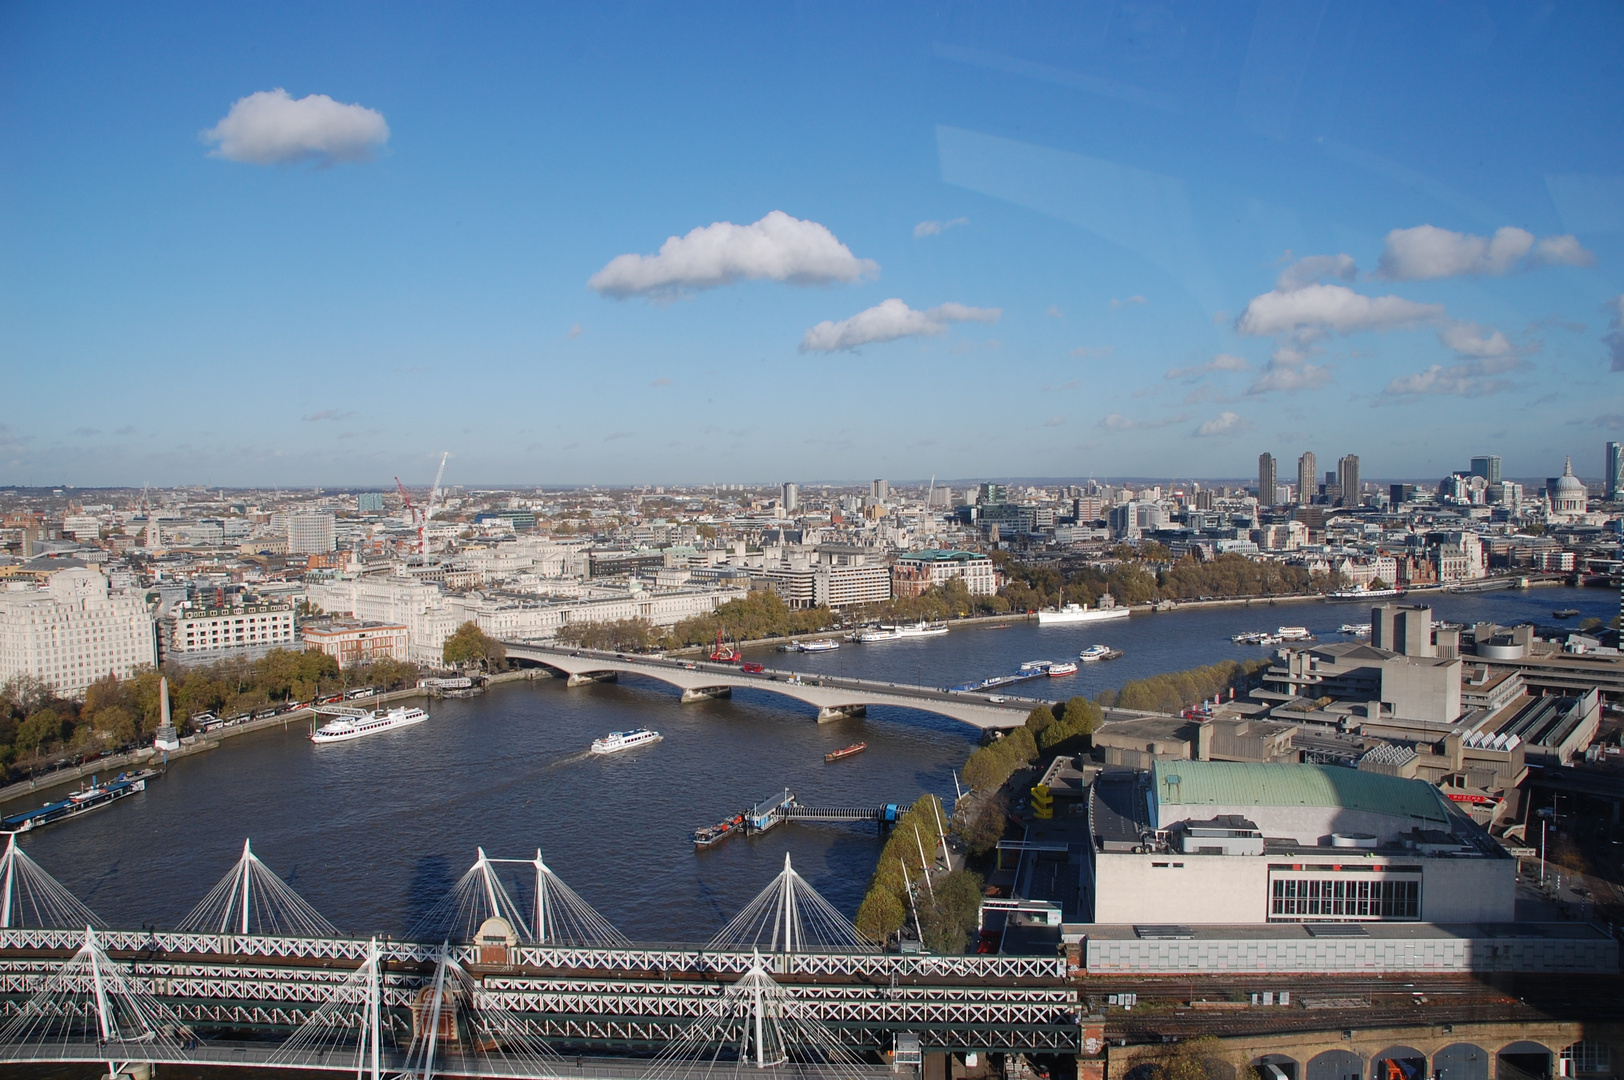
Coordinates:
(305,244)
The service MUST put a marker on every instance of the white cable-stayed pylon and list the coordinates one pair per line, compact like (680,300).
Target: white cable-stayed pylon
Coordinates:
(757,1025)
(29,897)
(350,1022)
(558,915)
(251,899)
(458,1029)
(789,916)
(89,1003)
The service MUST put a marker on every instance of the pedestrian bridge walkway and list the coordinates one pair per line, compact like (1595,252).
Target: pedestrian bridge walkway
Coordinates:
(834,697)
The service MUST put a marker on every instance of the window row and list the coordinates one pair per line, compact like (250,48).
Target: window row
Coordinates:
(1383,898)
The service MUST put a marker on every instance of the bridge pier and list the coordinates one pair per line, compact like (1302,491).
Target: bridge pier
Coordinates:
(593,676)
(841,712)
(706,693)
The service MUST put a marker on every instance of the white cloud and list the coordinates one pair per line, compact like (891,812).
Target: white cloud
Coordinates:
(1314,310)
(661,381)
(1223,362)
(1054,421)
(1614,338)
(1118,422)
(1093,352)
(889,320)
(1132,300)
(575,331)
(1288,371)
(1225,423)
(273,128)
(1054,312)
(1468,339)
(776,248)
(1315,268)
(935,228)
(327,414)
(1427,252)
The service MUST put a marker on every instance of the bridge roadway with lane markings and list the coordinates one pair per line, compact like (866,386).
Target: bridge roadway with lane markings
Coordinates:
(834,696)
(604,999)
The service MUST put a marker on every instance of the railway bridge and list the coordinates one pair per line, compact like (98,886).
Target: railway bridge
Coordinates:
(512,974)
(834,697)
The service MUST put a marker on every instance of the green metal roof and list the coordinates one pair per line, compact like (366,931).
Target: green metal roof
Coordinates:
(939,555)
(1234,783)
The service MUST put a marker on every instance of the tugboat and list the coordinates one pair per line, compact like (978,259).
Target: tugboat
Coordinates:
(845,751)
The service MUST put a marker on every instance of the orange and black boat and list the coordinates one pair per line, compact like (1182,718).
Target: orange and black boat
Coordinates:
(846,751)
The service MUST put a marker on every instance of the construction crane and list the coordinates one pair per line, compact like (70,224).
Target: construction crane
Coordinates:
(421,515)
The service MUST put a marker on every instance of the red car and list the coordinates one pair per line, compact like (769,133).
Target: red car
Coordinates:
(751,669)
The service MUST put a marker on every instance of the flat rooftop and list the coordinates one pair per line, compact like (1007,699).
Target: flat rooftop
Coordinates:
(1381,931)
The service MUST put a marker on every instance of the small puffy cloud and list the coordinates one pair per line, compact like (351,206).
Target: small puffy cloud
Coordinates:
(776,248)
(1129,302)
(326,414)
(1427,252)
(575,332)
(1054,312)
(616,436)
(1316,268)
(662,381)
(272,127)
(1614,338)
(1610,421)
(936,228)
(1468,339)
(1118,422)
(1288,371)
(1054,421)
(888,321)
(1225,423)
(1093,352)
(1223,362)
(1314,310)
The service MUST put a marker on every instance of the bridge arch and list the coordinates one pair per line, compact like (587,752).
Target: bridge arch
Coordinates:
(1277,1067)
(1523,1060)
(1399,1063)
(1461,1061)
(833,696)
(1336,1065)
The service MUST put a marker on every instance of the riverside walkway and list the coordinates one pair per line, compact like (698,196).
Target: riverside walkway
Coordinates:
(835,697)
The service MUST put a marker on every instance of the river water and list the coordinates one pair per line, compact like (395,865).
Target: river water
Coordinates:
(373,832)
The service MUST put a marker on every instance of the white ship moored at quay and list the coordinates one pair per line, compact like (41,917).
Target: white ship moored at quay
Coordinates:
(1080,613)
(885,632)
(357,724)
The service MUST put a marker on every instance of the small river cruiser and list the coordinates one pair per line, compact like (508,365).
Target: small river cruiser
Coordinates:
(1095,653)
(616,741)
(93,796)
(845,751)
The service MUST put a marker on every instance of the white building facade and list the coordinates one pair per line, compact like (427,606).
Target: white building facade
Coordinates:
(74,631)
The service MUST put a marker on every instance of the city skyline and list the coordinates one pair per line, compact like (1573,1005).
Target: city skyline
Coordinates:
(1068,246)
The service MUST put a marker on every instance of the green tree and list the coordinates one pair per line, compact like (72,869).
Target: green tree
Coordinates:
(880,915)
(470,645)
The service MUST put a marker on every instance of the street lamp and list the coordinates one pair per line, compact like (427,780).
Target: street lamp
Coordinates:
(1545,815)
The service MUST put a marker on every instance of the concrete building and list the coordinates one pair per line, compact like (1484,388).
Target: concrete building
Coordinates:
(1487,466)
(202,634)
(791,498)
(1307,478)
(914,572)
(1266,479)
(1615,471)
(311,532)
(357,642)
(1347,479)
(73,631)
(1191,842)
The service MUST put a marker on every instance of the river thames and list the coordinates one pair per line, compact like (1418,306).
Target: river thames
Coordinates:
(373,832)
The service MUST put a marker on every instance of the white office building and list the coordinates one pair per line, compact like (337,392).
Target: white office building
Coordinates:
(251,630)
(73,631)
(311,532)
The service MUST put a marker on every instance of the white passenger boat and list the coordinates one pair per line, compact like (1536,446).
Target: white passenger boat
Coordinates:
(616,741)
(1293,633)
(906,630)
(1096,653)
(820,645)
(1062,667)
(1081,613)
(348,727)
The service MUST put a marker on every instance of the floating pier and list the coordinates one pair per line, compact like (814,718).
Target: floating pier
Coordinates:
(783,806)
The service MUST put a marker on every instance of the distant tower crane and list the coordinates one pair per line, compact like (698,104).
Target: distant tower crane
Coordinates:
(421,515)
